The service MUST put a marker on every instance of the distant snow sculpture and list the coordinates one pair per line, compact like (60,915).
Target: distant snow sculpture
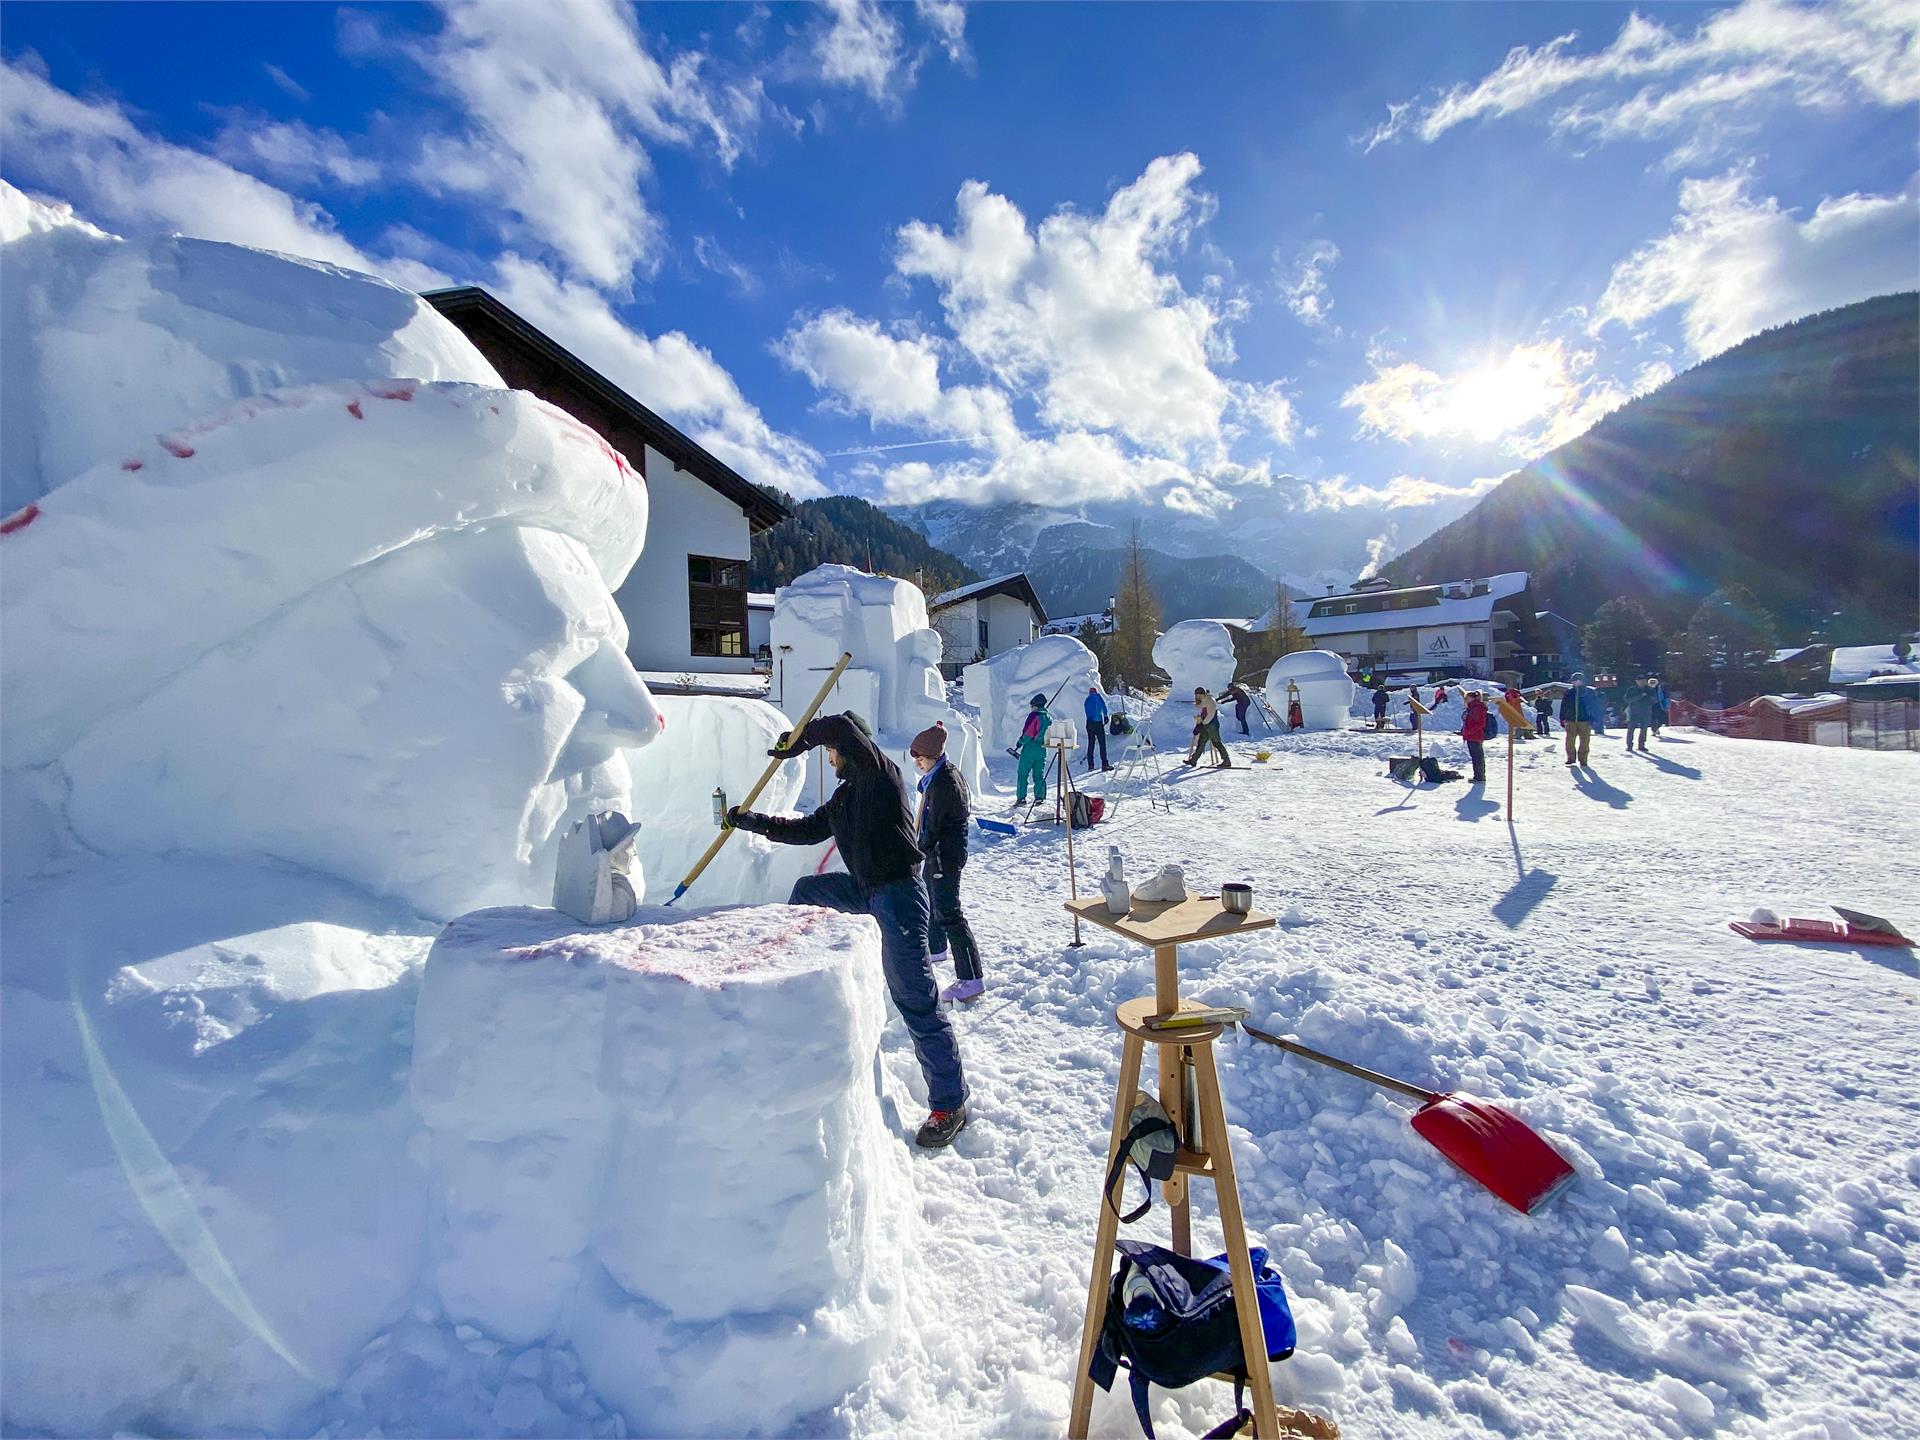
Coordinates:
(1002,687)
(1325,688)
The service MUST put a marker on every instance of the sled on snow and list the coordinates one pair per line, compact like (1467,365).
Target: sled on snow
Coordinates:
(1854,927)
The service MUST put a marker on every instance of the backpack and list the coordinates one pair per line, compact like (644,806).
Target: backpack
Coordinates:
(1493,724)
(1170,1320)
(1120,724)
(1085,810)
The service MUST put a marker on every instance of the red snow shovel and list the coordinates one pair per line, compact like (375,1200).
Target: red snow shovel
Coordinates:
(1492,1145)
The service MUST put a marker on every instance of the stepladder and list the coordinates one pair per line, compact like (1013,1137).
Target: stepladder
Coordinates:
(1189,1091)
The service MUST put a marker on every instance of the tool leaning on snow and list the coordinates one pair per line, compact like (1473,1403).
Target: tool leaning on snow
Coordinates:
(766,776)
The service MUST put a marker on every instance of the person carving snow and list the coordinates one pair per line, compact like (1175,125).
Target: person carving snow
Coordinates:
(1033,753)
(867,817)
(1206,731)
(1097,716)
(941,833)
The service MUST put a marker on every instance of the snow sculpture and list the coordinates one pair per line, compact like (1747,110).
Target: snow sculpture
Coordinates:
(111,342)
(714,742)
(893,682)
(1002,687)
(1194,653)
(246,638)
(1326,690)
(593,876)
(593,1174)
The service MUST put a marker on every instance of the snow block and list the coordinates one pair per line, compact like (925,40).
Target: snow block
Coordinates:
(893,681)
(664,1140)
(1002,688)
(1326,690)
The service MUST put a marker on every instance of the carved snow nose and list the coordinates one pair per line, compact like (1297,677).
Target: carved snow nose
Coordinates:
(620,710)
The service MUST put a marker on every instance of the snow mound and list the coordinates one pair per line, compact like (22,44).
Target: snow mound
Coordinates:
(1002,688)
(110,342)
(1325,688)
(719,1272)
(893,681)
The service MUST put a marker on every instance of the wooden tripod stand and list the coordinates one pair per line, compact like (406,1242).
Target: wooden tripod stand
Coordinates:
(1185,1058)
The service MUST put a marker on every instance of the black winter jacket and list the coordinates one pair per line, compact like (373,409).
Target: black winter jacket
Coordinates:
(866,815)
(943,822)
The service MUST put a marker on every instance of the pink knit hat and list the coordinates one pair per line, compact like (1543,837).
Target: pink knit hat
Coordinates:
(930,743)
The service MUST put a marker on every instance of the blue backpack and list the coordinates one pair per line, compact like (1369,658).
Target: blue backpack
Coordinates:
(1170,1321)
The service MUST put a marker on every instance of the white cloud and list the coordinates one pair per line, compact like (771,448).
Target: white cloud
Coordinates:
(948,21)
(712,255)
(668,373)
(95,157)
(894,381)
(1304,285)
(1271,406)
(1402,492)
(287,83)
(861,47)
(1529,401)
(1084,310)
(1818,57)
(294,152)
(1735,265)
(561,101)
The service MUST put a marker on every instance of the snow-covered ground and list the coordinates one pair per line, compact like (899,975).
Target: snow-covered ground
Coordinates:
(1737,1256)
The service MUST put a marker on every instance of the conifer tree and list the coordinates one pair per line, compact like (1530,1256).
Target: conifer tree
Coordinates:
(1136,618)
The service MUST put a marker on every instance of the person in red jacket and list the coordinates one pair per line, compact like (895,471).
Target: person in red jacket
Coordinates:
(1473,730)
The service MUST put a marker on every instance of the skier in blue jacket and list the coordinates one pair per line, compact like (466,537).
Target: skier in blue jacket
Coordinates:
(1096,707)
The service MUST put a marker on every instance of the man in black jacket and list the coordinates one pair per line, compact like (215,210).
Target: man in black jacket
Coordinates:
(942,837)
(867,817)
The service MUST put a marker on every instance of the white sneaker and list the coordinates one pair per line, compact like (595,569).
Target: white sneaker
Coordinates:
(1169,884)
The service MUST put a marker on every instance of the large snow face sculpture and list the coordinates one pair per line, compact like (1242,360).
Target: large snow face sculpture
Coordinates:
(1320,678)
(366,629)
(1196,654)
(1002,688)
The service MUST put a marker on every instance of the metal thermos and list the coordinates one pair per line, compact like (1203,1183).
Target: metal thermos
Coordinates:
(719,807)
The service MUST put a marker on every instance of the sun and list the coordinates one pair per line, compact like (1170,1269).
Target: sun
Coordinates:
(1494,400)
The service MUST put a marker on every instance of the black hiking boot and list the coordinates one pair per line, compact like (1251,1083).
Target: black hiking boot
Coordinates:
(941,1127)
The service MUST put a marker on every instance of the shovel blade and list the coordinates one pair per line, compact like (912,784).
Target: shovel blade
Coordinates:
(1494,1147)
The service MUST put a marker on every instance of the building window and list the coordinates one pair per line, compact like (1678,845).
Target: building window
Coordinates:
(983,636)
(1477,652)
(717,606)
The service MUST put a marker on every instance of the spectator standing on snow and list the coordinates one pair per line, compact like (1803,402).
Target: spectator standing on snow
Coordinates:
(1542,708)
(1096,708)
(1639,708)
(1473,730)
(1582,713)
(1659,689)
(867,817)
(1522,731)
(1237,693)
(1033,753)
(1380,705)
(941,834)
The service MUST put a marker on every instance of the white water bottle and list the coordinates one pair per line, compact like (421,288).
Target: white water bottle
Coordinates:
(1114,887)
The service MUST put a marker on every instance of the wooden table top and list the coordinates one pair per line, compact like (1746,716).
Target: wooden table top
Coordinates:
(1198,917)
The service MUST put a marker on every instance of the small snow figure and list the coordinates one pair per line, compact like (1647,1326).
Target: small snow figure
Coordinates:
(867,817)
(1033,753)
(942,836)
(1096,708)
(1473,730)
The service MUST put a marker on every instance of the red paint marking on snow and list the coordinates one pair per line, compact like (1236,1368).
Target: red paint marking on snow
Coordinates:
(20,519)
(179,449)
(821,868)
(391,392)
(353,409)
(132,464)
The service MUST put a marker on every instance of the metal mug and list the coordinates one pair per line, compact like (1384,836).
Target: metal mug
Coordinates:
(1236,897)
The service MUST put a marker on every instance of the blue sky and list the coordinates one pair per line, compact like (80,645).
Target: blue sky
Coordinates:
(1339,263)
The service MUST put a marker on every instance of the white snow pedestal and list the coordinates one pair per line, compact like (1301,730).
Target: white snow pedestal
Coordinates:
(664,1141)
(1326,690)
